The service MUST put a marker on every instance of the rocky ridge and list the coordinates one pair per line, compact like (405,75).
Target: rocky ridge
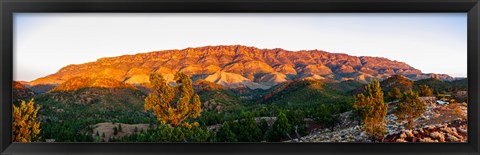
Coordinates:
(238,66)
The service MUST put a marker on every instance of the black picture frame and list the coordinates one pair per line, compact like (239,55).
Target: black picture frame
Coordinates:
(8,7)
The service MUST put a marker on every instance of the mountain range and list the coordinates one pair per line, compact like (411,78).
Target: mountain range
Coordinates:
(228,79)
(234,66)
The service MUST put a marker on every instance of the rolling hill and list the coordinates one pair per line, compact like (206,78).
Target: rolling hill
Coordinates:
(403,83)
(20,92)
(311,93)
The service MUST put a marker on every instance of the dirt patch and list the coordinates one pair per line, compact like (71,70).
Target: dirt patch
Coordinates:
(445,113)
(107,130)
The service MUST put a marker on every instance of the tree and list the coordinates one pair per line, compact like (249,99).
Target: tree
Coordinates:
(264,126)
(409,108)
(328,115)
(295,118)
(115,131)
(372,110)
(225,134)
(247,129)
(173,104)
(26,126)
(425,91)
(280,128)
(395,94)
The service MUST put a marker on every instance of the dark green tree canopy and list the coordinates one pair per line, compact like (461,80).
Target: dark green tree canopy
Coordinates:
(280,128)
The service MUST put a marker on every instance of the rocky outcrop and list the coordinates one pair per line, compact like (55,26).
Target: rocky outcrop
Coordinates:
(271,79)
(346,69)
(233,80)
(286,69)
(318,69)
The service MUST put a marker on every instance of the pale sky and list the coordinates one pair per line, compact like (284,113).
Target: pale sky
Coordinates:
(431,42)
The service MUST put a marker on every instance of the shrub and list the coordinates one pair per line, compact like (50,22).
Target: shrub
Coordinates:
(458,111)
(26,126)
(395,94)
(424,90)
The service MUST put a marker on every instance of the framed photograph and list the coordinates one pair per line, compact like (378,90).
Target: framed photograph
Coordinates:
(239,77)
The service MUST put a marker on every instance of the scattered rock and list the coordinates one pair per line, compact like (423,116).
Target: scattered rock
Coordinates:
(446,129)
(415,132)
(409,133)
(452,138)
(430,127)
(438,136)
(428,139)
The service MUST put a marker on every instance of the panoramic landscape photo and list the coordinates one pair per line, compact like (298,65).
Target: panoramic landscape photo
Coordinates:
(240,77)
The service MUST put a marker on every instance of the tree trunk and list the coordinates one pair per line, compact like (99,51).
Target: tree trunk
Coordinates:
(296,131)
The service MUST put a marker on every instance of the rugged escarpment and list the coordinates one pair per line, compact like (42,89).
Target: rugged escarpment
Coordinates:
(238,66)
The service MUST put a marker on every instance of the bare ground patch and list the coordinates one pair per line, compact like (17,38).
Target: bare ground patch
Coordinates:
(108,129)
